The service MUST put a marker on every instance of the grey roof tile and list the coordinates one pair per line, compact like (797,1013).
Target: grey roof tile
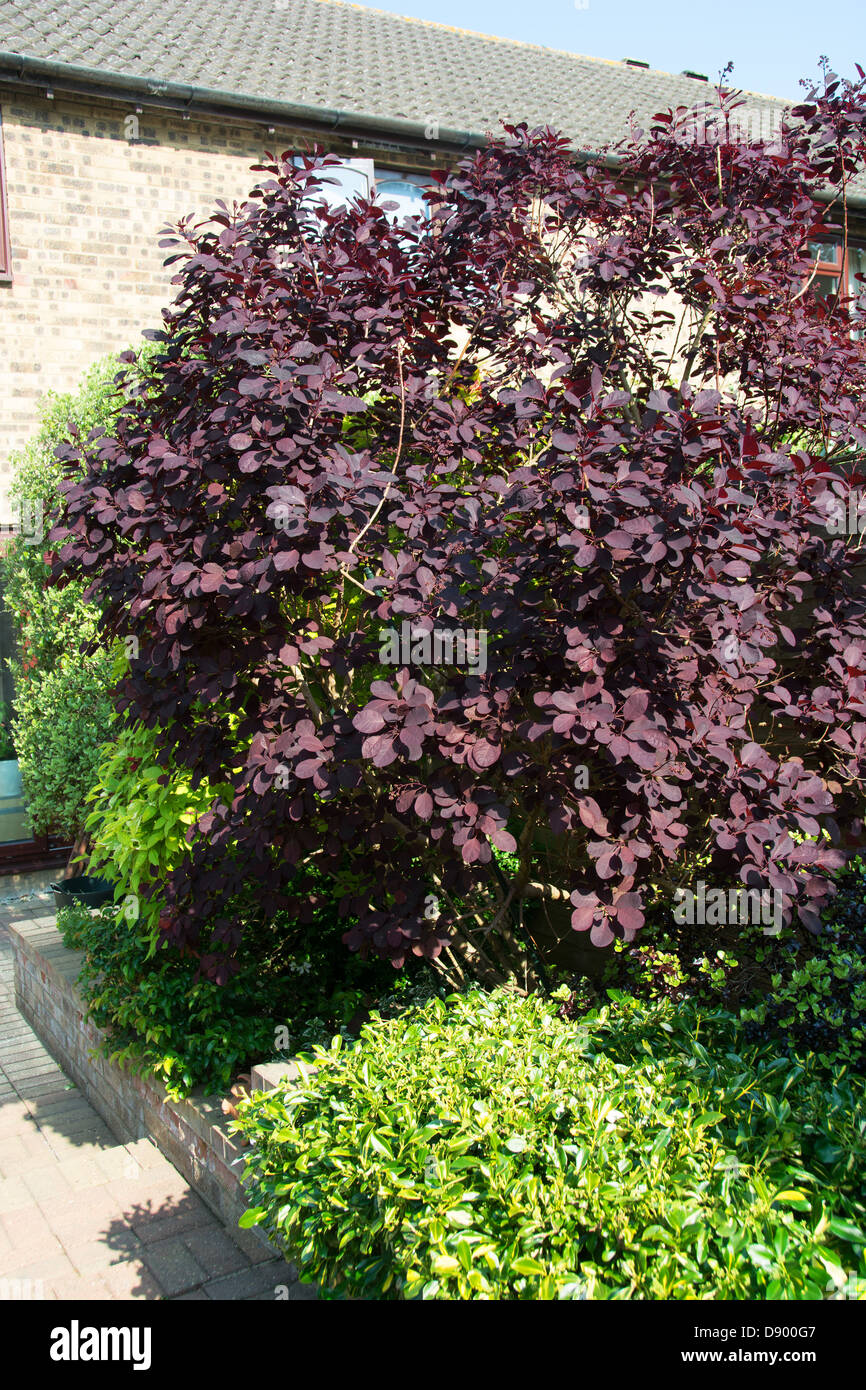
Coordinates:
(348,58)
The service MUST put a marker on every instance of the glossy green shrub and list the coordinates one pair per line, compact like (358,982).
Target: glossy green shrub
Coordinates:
(63,718)
(488,1148)
(819,1001)
(816,1002)
(295,983)
(139,815)
(160,1016)
(7,748)
(805,996)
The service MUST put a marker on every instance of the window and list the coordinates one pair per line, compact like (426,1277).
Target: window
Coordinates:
(856,266)
(828,256)
(353,178)
(407,194)
(5,245)
(357,178)
(837,269)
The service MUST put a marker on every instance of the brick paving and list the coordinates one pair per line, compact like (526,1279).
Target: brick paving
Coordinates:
(84,1217)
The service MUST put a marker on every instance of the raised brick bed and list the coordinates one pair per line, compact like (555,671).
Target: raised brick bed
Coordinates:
(191,1133)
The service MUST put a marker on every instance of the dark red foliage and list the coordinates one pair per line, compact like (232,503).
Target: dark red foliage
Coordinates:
(637,526)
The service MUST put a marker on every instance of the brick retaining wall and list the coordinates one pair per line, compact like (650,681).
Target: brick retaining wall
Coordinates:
(190,1133)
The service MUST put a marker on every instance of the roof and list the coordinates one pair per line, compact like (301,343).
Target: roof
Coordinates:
(346,58)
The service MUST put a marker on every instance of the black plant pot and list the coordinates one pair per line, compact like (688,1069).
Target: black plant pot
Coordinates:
(92,892)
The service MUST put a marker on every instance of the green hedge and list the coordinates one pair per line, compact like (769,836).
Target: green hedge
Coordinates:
(159,1015)
(62,714)
(488,1148)
(295,983)
(63,718)
(140,812)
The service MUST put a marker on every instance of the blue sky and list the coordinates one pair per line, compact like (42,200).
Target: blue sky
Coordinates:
(772,43)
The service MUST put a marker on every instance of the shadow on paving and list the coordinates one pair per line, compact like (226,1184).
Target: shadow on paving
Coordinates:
(86,1217)
(177,1249)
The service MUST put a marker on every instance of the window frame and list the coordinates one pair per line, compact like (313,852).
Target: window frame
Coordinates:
(5,241)
(375,175)
(851,286)
(329,193)
(838,269)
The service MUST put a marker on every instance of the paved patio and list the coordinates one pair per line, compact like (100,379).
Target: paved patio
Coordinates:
(85,1217)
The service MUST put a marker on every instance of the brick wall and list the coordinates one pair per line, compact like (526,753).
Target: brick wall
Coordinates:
(86,205)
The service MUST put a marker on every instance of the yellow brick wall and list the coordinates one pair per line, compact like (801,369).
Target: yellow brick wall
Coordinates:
(86,206)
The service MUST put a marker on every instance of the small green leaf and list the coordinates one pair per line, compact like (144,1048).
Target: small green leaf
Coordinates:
(846,1230)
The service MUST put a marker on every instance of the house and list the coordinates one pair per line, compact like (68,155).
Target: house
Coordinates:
(117,118)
